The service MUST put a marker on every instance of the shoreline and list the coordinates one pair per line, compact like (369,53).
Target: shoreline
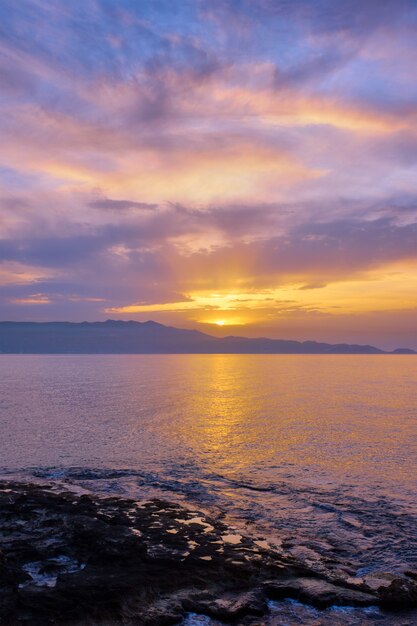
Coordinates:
(67,557)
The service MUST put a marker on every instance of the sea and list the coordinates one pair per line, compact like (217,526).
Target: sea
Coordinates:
(315,453)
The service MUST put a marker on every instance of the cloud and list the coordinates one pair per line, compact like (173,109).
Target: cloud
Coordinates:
(120,205)
(258,240)
(34,298)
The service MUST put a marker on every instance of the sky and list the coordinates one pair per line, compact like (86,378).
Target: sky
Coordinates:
(241,167)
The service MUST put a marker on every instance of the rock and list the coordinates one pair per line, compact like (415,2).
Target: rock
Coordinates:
(377,580)
(318,593)
(400,594)
(230,607)
(7,601)
(79,559)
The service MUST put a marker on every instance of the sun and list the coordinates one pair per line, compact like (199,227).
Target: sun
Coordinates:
(224,321)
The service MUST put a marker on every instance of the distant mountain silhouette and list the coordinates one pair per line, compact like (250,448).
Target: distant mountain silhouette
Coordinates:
(117,337)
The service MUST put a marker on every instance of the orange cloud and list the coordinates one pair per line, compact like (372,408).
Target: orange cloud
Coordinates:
(36,298)
(14,273)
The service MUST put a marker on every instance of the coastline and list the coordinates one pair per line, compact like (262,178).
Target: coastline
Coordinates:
(67,558)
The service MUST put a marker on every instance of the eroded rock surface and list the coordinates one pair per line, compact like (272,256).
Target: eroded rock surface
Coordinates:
(73,559)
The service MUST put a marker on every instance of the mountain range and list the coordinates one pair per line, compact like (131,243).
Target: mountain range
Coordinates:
(119,337)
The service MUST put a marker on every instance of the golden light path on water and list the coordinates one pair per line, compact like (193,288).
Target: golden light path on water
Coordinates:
(334,413)
(341,415)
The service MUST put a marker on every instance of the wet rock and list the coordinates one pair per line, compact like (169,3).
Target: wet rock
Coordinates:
(376,580)
(68,559)
(231,607)
(400,594)
(317,592)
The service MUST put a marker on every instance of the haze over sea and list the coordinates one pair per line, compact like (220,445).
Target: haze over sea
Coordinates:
(321,447)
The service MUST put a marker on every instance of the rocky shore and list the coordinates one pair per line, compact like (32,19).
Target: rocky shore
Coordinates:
(77,559)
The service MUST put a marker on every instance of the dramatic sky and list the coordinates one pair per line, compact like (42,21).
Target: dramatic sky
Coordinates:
(237,166)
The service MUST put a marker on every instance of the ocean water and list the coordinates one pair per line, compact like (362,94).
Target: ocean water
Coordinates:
(315,453)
